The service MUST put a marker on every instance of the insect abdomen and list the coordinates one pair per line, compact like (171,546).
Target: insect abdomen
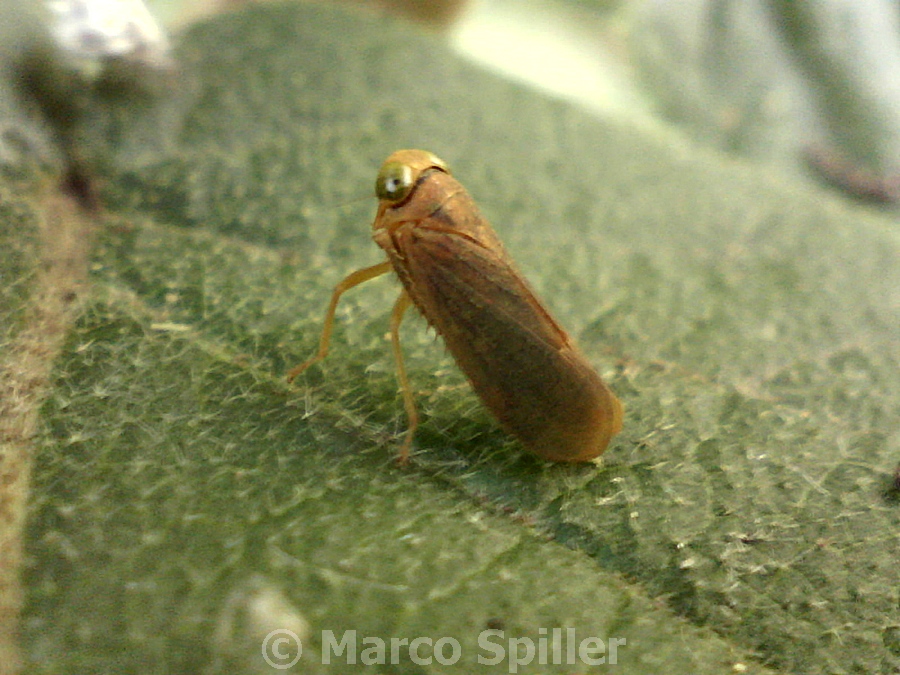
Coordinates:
(521,364)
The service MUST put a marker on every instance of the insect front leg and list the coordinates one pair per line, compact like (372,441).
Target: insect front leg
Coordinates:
(412,415)
(353,279)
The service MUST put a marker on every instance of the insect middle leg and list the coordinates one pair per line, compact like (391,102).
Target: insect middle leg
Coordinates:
(412,415)
(353,279)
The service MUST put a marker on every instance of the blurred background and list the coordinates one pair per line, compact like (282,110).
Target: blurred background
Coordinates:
(811,87)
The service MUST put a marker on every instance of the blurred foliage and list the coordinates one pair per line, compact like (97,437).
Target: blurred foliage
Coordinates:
(776,80)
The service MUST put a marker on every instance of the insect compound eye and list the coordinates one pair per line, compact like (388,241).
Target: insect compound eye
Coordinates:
(394,182)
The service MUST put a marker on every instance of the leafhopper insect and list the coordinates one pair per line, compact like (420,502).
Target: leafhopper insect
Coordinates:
(521,363)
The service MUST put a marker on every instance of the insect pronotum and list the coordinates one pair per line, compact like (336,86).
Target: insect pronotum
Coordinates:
(523,365)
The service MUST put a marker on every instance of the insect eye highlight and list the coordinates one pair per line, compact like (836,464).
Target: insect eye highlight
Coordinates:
(394,182)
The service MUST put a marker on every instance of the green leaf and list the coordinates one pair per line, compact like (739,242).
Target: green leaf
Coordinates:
(187,502)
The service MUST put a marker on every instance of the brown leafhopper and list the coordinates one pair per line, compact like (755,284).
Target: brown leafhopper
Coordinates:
(453,268)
